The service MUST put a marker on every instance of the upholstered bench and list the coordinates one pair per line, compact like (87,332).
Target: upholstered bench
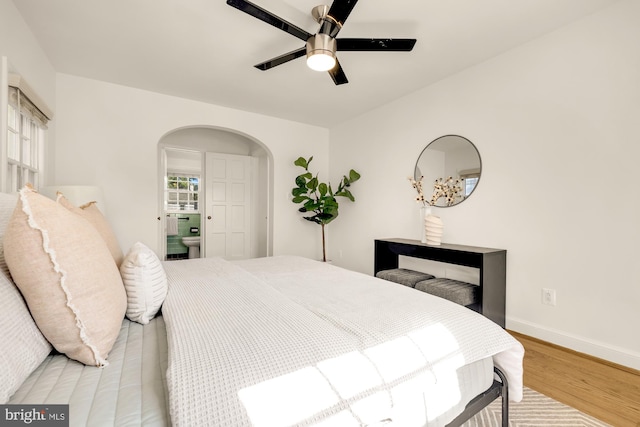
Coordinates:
(404,276)
(459,292)
(454,290)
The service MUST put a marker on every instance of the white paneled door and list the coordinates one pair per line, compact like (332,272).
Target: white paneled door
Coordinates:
(228,201)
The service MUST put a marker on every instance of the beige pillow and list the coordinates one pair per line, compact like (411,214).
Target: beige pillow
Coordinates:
(67,276)
(145,282)
(23,346)
(91,213)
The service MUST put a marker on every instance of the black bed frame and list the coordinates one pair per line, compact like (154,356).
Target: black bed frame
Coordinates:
(478,403)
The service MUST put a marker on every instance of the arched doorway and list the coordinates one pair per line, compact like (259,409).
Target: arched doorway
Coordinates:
(188,195)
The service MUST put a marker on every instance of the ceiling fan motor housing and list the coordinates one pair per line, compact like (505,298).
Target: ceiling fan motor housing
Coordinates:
(321,44)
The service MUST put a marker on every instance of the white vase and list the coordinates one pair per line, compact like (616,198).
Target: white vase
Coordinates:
(433,230)
(424,212)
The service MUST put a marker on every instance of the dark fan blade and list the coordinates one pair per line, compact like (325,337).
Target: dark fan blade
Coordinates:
(269,18)
(392,45)
(340,10)
(278,60)
(337,14)
(338,75)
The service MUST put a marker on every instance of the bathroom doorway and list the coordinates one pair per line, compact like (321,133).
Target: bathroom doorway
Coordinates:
(188,227)
(181,203)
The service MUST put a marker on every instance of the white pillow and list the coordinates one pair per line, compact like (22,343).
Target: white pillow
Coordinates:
(24,346)
(145,282)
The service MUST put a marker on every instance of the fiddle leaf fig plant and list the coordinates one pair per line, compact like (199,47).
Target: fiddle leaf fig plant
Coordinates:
(318,198)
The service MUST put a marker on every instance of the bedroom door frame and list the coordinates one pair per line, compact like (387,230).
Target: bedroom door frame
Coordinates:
(262,165)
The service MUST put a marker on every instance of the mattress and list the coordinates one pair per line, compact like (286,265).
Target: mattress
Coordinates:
(130,391)
(287,341)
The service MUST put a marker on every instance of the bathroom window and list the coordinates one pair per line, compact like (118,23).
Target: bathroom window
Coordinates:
(26,129)
(182,192)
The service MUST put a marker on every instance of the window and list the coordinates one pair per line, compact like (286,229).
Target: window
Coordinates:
(26,129)
(471,178)
(181,193)
(469,185)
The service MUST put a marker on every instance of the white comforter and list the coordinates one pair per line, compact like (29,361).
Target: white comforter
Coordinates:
(289,341)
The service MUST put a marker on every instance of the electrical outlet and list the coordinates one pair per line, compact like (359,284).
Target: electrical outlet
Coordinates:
(548,296)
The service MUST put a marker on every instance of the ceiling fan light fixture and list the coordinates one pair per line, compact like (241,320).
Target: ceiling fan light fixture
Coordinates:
(321,52)
(321,61)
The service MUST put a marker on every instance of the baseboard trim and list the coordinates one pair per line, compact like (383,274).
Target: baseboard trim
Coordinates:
(600,350)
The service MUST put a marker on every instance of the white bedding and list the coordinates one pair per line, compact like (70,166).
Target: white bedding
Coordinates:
(290,341)
(131,391)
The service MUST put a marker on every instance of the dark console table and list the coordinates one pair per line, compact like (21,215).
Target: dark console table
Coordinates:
(492,264)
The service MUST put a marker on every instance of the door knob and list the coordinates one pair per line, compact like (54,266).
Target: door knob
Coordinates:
(209,217)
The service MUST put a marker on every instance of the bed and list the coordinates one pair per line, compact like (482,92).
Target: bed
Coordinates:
(280,341)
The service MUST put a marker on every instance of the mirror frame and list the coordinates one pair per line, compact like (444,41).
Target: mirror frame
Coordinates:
(471,144)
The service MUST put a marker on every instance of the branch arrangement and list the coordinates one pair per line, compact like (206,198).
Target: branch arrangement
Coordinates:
(449,189)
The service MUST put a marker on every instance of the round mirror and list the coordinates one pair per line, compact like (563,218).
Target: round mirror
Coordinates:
(450,168)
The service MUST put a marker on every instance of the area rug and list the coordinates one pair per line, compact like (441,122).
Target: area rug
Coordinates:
(535,409)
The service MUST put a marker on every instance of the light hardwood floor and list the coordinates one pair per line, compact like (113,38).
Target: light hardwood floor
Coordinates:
(602,389)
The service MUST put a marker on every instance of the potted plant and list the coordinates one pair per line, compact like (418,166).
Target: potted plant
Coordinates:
(318,197)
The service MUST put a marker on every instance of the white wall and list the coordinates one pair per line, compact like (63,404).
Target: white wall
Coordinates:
(556,122)
(208,139)
(25,57)
(108,136)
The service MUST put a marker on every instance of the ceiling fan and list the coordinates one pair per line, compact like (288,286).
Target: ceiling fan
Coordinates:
(321,47)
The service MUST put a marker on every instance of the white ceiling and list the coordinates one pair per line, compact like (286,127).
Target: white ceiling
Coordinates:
(205,50)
